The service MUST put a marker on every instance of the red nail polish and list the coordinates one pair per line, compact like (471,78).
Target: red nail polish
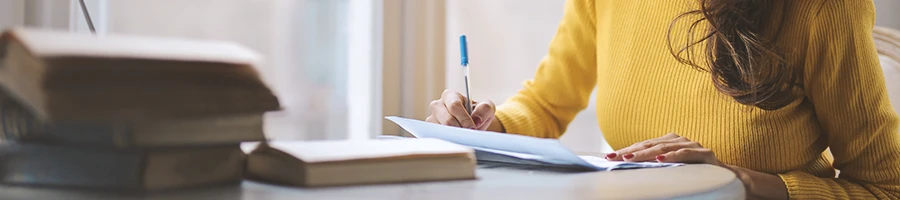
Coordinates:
(611,155)
(660,158)
(629,156)
(477,120)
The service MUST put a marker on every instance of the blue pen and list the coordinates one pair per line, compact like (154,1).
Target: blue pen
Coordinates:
(464,61)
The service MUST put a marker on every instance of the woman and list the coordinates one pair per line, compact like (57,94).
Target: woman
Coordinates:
(759,87)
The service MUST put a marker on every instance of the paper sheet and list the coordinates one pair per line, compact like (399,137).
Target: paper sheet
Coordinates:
(549,151)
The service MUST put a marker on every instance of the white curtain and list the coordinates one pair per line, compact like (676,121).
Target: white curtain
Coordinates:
(11,13)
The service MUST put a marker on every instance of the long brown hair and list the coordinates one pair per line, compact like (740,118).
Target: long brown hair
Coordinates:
(740,54)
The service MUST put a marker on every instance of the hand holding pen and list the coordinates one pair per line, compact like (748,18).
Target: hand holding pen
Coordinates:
(454,109)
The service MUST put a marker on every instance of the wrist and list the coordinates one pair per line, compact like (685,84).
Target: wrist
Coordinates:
(496,125)
(740,175)
(758,185)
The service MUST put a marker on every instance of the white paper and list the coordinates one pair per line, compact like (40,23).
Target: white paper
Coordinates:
(548,151)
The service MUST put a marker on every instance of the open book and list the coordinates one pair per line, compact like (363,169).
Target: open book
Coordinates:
(517,149)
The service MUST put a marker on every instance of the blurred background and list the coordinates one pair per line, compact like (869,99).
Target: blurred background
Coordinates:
(339,66)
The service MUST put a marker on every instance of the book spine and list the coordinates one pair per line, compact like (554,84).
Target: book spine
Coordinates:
(48,165)
(87,133)
(20,125)
(142,171)
(16,122)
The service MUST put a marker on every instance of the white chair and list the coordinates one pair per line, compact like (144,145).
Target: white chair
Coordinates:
(887,42)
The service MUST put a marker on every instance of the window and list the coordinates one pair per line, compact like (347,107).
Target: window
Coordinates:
(319,56)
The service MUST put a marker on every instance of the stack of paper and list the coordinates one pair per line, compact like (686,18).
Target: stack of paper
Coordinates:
(517,149)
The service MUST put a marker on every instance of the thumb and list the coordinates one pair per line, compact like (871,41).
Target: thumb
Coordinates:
(483,112)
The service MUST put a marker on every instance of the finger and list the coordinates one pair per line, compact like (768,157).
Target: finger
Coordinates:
(662,148)
(457,108)
(620,154)
(439,111)
(486,124)
(689,155)
(628,152)
(431,119)
(473,103)
(483,111)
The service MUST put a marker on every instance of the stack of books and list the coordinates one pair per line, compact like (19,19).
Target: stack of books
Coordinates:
(126,112)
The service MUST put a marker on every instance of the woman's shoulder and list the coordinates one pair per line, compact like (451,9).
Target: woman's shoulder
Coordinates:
(816,9)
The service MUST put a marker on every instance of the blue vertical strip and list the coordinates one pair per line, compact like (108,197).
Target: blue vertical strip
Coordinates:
(463,51)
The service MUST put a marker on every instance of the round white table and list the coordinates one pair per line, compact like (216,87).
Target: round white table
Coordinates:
(494,182)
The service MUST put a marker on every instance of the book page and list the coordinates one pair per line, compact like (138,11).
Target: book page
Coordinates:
(53,43)
(327,151)
(548,151)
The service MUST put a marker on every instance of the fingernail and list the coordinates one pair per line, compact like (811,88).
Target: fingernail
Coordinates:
(660,158)
(611,155)
(628,156)
(477,120)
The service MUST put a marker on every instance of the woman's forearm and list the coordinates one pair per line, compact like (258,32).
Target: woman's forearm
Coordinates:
(761,185)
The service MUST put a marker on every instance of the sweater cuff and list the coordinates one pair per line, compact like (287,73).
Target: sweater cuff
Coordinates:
(802,185)
(513,118)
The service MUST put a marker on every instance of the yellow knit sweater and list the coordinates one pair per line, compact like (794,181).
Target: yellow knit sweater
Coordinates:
(619,48)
